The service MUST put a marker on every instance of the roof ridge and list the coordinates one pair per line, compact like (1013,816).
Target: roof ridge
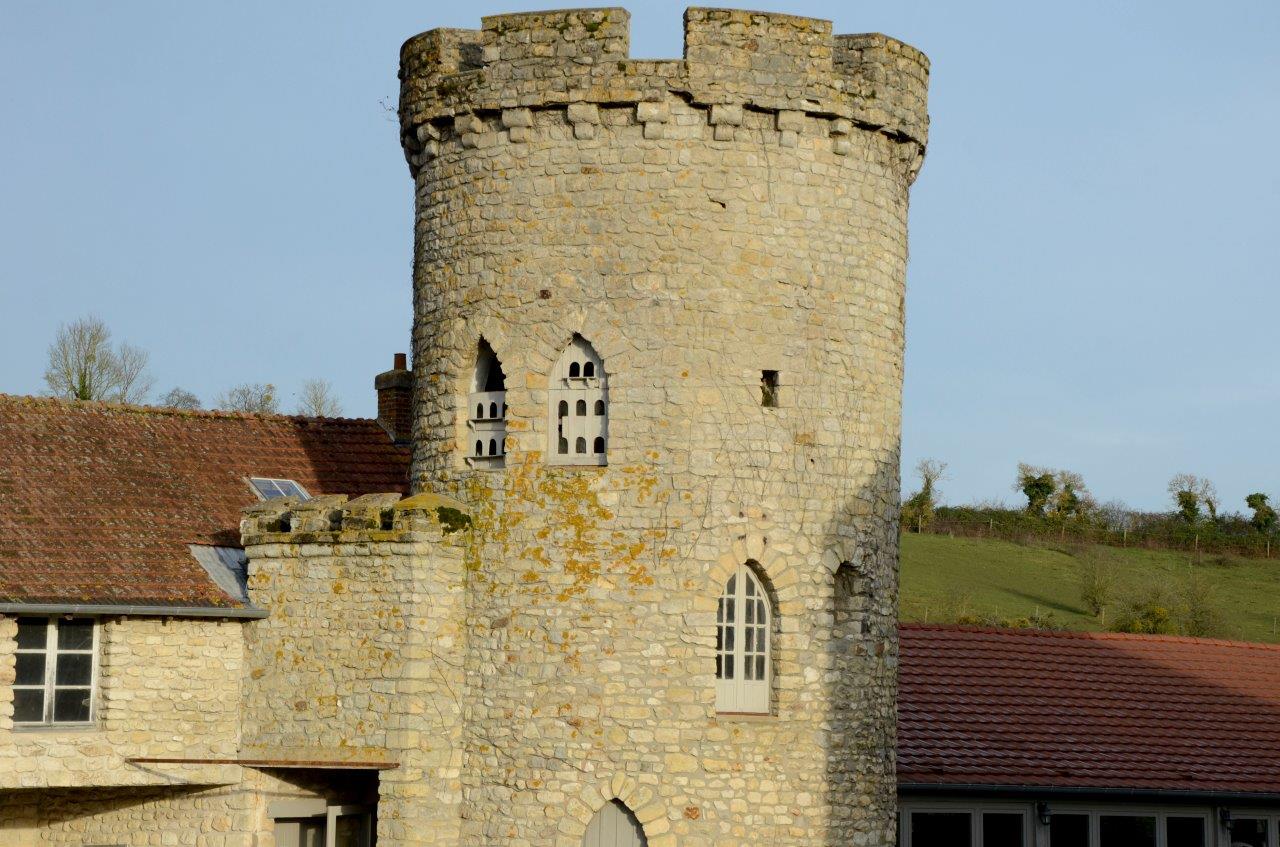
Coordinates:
(162,411)
(1083,635)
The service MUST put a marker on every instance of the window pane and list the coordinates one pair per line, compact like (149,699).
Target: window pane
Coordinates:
(352,830)
(1184,832)
(1248,832)
(74,669)
(30,669)
(71,704)
(728,666)
(1126,831)
(1069,831)
(1002,829)
(759,667)
(31,633)
(941,829)
(76,634)
(289,488)
(28,705)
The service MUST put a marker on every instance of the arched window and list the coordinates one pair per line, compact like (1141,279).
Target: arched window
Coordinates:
(743,666)
(488,392)
(579,383)
(614,826)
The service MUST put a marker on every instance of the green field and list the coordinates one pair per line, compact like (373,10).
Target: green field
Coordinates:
(945,578)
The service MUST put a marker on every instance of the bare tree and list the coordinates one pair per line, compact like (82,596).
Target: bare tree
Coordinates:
(1209,496)
(180,398)
(256,397)
(83,365)
(1071,497)
(317,399)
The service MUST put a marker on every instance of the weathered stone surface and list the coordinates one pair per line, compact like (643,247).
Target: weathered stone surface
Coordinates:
(761,225)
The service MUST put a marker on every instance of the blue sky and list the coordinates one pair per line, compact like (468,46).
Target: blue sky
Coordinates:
(1095,236)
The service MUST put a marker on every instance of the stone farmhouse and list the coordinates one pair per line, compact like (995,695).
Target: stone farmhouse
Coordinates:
(616,565)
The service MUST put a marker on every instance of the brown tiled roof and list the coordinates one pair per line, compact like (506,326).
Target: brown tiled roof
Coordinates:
(98,502)
(1087,710)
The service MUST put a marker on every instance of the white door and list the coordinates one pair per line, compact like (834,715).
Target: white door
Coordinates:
(614,826)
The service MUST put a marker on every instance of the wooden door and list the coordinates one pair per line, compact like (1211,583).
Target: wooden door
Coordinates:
(614,826)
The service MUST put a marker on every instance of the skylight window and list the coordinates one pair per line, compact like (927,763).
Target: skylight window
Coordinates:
(269,489)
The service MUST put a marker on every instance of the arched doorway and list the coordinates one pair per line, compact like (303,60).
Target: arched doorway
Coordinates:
(614,826)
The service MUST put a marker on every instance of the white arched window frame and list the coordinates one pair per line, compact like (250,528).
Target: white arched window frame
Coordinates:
(744,624)
(487,411)
(578,407)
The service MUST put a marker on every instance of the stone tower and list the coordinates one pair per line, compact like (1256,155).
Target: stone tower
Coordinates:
(658,346)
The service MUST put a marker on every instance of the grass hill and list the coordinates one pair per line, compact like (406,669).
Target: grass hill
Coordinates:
(944,579)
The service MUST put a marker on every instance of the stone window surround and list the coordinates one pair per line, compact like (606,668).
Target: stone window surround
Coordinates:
(49,686)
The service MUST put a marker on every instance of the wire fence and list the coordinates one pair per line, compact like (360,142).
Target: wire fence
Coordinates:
(1236,538)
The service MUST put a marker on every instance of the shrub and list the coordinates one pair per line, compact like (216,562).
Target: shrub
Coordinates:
(1097,582)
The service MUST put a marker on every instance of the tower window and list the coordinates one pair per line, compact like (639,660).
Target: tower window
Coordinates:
(769,389)
(743,624)
(579,383)
(488,393)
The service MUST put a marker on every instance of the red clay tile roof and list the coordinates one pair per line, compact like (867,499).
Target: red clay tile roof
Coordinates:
(1087,710)
(98,502)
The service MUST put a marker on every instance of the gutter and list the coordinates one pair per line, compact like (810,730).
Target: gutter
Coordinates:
(1070,791)
(243,613)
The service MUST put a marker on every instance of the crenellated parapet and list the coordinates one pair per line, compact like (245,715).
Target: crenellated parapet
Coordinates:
(578,60)
(334,519)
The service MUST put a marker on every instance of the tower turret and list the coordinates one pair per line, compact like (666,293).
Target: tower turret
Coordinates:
(658,344)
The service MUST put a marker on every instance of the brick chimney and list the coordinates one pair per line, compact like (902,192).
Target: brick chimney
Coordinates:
(395,400)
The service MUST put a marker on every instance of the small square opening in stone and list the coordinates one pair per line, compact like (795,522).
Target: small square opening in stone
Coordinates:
(769,389)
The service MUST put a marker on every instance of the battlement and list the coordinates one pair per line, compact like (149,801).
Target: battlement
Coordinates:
(762,61)
(335,519)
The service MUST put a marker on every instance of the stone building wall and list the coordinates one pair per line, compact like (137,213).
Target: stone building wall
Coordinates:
(360,658)
(167,687)
(698,222)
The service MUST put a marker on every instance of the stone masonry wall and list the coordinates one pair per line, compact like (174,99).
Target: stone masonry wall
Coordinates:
(231,815)
(697,221)
(359,660)
(168,687)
